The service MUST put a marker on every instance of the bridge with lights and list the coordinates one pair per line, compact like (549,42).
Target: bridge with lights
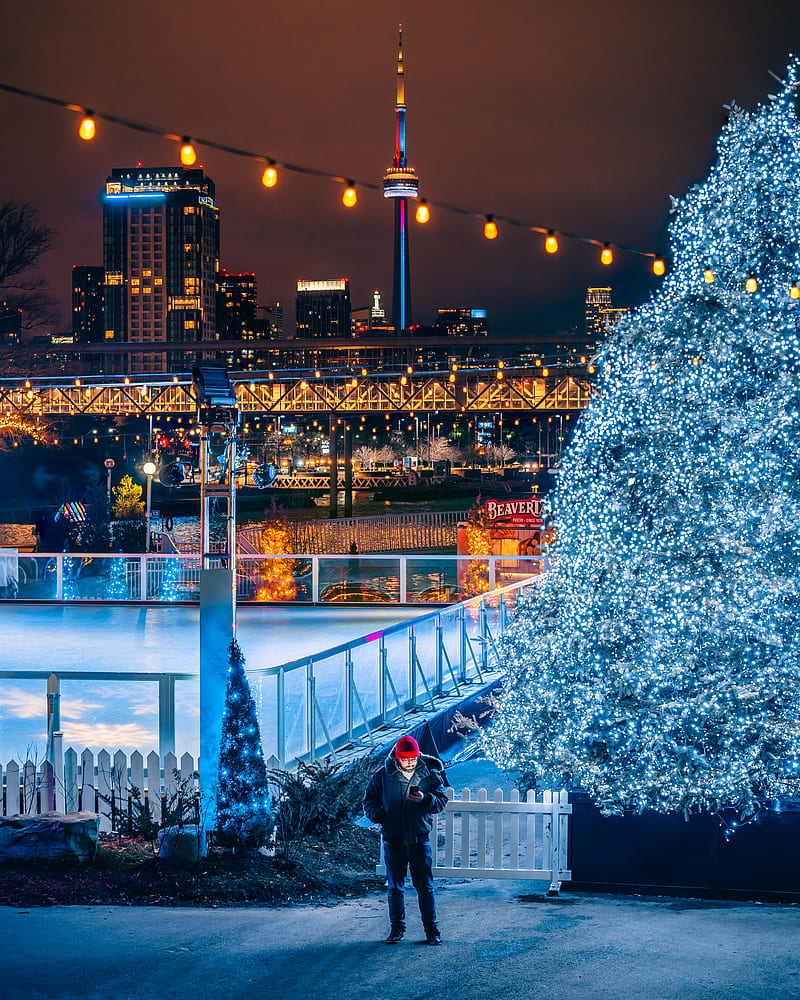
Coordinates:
(465,391)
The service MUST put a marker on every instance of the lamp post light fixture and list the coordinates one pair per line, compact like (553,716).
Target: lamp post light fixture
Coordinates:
(149,469)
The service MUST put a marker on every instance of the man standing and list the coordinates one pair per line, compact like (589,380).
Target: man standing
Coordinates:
(402,796)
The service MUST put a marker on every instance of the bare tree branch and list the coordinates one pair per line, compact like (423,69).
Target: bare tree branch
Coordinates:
(23,241)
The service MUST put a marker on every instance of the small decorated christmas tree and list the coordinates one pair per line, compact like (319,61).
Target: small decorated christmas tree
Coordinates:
(657,665)
(244,818)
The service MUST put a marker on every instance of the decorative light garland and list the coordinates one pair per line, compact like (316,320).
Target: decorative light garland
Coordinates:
(87,130)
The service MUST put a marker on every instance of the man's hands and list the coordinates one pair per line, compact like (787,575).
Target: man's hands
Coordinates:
(415,795)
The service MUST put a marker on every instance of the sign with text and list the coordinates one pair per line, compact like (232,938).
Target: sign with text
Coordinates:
(526,513)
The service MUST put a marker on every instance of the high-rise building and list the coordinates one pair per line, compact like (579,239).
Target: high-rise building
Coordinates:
(88,312)
(323,308)
(400,183)
(269,320)
(10,325)
(600,313)
(161,257)
(597,300)
(236,305)
(462,322)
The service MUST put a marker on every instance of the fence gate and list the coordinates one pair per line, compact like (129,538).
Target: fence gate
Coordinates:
(498,838)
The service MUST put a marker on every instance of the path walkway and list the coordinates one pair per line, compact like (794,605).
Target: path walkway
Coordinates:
(498,943)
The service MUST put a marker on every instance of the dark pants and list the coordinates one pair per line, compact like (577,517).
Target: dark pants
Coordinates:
(399,858)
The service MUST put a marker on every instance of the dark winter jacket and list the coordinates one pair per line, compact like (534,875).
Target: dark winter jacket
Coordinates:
(386,799)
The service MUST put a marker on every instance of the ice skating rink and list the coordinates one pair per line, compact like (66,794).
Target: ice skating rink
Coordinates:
(123,714)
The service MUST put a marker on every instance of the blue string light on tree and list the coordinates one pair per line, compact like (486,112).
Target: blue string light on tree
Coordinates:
(170,586)
(657,665)
(244,818)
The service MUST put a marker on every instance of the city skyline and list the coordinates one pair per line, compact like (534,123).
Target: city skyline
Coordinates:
(580,119)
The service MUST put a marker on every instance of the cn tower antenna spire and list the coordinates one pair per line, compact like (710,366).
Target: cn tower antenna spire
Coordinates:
(400,183)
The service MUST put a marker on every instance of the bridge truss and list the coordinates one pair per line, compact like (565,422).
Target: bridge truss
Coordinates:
(150,395)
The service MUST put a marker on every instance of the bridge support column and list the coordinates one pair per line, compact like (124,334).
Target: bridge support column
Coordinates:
(333,435)
(347,455)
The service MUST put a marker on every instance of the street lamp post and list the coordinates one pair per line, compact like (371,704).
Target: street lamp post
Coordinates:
(149,469)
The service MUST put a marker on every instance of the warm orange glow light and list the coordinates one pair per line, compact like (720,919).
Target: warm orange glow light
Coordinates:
(423,213)
(708,275)
(751,285)
(607,256)
(794,292)
(490,228)
(551,243)
(87,130)
(188,153)
(659,267)
(270,177)
(349,196)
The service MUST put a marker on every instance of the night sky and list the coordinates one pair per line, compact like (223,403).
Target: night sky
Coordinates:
(578,115)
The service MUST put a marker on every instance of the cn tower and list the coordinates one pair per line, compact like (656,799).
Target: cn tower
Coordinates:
(400,183)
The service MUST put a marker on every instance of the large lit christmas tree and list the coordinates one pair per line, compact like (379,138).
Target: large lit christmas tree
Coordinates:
(658,665)
(244,818)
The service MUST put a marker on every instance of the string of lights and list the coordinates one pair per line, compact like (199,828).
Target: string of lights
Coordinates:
(270,176)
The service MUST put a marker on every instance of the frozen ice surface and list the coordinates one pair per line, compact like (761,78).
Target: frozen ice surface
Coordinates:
(148,640)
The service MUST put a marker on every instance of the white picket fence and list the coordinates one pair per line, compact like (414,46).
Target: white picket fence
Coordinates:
(98,783)
(502,838)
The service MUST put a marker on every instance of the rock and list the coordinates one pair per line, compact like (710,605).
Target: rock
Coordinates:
(49,837)
(183,845)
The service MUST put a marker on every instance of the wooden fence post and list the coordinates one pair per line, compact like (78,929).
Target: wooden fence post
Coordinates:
(12,789)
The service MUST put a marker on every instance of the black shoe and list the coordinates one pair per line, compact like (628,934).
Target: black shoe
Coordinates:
(433,937)
(395,935)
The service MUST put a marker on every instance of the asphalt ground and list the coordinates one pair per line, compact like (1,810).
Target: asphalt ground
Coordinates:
(501,940)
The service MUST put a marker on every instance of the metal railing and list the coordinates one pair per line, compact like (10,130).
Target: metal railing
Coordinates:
(311,707)
(298,578)
(383,533)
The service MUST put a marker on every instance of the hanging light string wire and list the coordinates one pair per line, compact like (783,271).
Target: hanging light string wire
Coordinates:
(272,161)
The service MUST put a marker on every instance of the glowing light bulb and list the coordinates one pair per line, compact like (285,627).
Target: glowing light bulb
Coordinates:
(794,292)
(708,276)
(751,285)
(86,129)
(490,228)
(349,196)
(607,256)
(270,176)
(659,267)
(188,152)
(551,243)
(423,213)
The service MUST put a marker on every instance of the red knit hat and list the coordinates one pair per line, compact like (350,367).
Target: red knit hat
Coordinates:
(406,748)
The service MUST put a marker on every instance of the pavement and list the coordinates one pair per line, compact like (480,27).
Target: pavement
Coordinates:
(501,939)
